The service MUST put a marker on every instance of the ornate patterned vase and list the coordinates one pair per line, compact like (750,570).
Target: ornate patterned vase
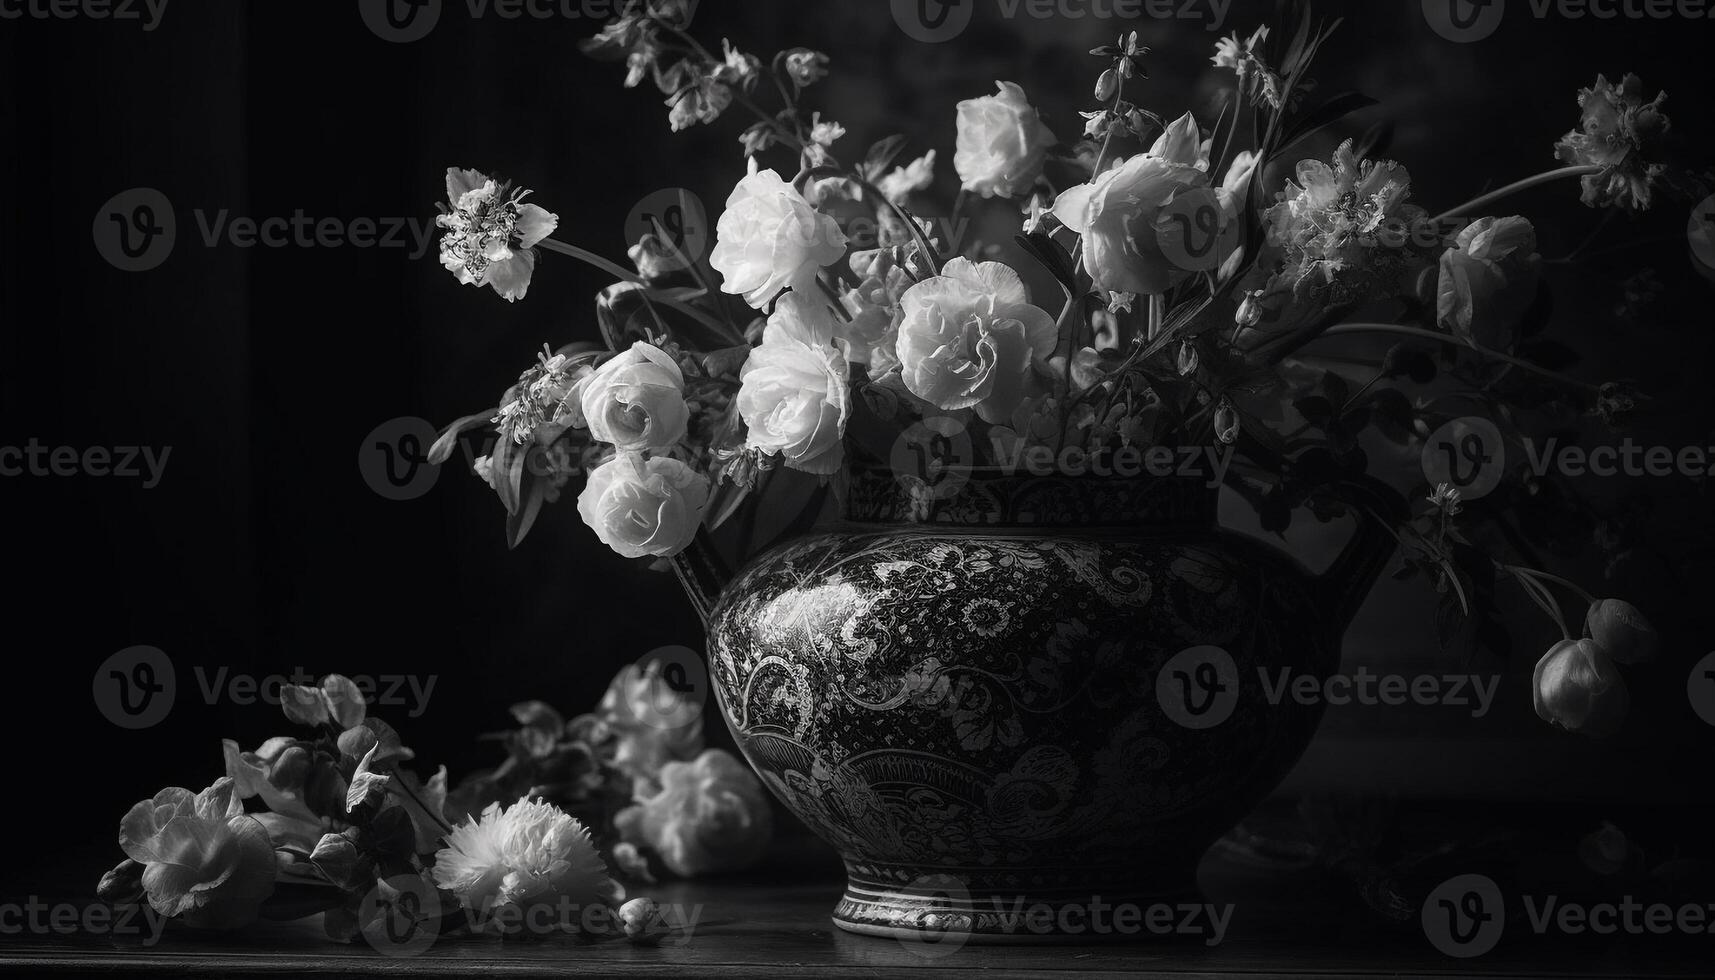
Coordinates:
(1035,692)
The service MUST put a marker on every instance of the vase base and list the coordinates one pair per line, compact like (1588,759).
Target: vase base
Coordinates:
(940,912)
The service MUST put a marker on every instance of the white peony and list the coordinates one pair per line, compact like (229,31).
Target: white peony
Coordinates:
(770,238)
(1001,143)
(969,338)
(796,396)
(636,401)
(642,507)
(527,854)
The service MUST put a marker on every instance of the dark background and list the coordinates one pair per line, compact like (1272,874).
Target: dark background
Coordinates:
(263,549)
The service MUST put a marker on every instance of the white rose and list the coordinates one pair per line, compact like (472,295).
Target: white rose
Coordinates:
(771,238)
(1002,141)
(1117,213)
(636,401)
(969,338)
(796,396)
(642,507)
(1488,281)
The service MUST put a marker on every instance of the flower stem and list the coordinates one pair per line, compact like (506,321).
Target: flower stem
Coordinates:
(1568,584)
(584,255)
(1445,338)
(1478,203)
(434,814)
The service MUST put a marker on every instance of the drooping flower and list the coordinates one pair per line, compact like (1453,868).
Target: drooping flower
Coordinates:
(1488,280)
(204,858)
(526,855)
(806,67)
(642,507)
(969,338)
(545,402)
(1615,132)
(1117,213)
(823,135)
(795,396)
(1577,687)
(909,179)
(738,69)
(1619,628)
(636,401)
(491,233)
(770,238)
(701,101)
(709,815)
(1002,143)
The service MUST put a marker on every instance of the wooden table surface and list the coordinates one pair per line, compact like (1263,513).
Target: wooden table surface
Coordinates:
(775,923)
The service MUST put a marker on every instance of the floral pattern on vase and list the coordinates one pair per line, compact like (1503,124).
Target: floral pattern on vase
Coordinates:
(979,702)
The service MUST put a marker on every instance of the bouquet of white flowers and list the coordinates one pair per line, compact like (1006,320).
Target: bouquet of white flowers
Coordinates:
(828,326)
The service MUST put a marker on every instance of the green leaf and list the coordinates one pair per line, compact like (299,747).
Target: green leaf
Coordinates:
(1324,115)
(1053,256)
(518,522)
(881,156)
(443,448)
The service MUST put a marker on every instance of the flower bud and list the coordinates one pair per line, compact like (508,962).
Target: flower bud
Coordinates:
(1107,85)
(1622,631)
(1250,310)
(1227,423)
(642,921)
(123,885)
(1576,687)
(1187,359)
